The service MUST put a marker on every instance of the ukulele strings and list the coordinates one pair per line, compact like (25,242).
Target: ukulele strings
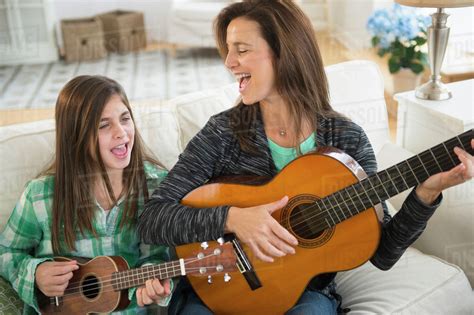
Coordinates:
(105,281)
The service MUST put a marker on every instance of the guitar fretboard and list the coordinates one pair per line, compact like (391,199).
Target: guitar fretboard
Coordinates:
(378,187)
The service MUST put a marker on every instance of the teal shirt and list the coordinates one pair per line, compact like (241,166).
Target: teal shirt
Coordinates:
(26,239)
(282,156)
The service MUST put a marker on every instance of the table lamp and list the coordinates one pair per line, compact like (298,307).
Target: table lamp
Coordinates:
(438,34)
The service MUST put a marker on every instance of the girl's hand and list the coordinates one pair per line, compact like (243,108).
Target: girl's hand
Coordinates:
(153,291)
(260,231)
(430,189)
(52,277)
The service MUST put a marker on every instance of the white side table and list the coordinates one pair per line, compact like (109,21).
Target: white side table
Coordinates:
(422,124)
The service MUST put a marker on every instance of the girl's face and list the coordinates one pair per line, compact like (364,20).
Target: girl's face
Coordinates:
(116,134)
(250,59)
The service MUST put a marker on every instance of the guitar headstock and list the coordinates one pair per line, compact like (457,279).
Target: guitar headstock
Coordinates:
(214,258)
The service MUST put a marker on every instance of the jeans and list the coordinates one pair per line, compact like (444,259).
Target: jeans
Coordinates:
(310,302)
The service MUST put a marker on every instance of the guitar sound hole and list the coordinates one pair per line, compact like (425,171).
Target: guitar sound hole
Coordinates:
(90,287)
(304,222)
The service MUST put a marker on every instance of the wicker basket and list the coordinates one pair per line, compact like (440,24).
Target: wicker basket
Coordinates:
(124,31)
(83,39)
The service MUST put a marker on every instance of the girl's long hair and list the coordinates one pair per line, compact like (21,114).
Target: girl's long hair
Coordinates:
(77,163)
(299,72)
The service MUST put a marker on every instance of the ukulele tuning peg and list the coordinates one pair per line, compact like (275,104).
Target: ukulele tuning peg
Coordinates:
(227,277)
(209,279)
(220,240)
(204,245)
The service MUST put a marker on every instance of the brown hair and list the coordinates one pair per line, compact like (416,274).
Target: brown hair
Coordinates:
(78,162)
(299,71)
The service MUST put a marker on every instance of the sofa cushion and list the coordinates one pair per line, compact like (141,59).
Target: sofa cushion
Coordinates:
(193,110)
(158,127)
(25,149)
(417,284)
(10,303)
(356,90)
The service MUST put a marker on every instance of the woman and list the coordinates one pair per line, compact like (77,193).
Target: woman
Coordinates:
(87,202)
(284,111)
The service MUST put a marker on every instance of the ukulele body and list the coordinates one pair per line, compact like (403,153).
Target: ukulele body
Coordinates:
(90,289)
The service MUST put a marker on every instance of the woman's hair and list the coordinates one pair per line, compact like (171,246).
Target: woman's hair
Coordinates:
(78,163)
(299,72)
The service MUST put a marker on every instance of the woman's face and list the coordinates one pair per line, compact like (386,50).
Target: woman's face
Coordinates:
(116,134)
(250,59)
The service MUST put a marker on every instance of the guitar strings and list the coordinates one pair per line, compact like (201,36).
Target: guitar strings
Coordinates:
(174,268)
(320,224)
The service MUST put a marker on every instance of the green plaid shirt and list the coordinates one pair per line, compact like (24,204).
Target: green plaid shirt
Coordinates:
(26,239)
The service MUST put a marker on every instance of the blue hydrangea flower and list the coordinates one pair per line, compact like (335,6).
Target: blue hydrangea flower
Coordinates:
(399,32)
(398,23)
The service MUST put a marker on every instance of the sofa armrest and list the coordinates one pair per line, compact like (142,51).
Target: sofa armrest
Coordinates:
(449,234)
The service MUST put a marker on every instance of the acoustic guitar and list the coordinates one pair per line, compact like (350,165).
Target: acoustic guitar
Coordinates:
(334,211)
(100,284)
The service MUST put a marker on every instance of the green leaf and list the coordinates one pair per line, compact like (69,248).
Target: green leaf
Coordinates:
(417,67)
(381,52)
(375,41)
(394,64)
(420,40)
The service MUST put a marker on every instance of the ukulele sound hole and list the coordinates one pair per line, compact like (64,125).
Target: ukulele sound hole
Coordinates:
(90,287)
(304,222)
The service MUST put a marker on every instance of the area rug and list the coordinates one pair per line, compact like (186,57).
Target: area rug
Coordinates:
(144,75)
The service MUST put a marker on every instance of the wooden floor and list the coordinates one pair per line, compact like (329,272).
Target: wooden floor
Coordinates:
(331,50)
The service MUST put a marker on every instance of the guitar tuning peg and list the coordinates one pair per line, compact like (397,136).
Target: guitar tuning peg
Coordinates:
(227,277)
(204,245)
(220,240)
(209,279)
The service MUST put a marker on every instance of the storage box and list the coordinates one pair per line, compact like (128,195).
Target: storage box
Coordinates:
(83,39)
(124,31)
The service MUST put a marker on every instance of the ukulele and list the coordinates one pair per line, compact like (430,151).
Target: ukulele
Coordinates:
(100,284)
(333,210)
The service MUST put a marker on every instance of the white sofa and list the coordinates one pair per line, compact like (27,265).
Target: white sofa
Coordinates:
(417,284)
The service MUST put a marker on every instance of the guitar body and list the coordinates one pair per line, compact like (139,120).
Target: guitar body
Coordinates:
(89,289)
(341,247)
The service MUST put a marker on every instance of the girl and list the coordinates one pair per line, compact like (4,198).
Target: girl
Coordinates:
(87,202)
(284,111)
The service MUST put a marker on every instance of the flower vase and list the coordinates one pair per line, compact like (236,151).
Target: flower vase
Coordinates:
(405,80)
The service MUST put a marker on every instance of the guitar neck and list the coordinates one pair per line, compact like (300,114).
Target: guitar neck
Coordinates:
(138,276)
(378,187)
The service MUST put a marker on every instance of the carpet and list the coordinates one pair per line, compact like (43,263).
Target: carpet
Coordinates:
(144,75)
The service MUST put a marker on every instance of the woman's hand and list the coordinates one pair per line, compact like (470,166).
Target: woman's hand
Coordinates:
(154,291)
(260,231)
(52,277)
(430,189)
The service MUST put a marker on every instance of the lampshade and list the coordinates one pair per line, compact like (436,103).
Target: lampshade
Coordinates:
(437,3)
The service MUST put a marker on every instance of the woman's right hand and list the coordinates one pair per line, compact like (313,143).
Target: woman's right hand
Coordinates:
(52,277)
(256,227)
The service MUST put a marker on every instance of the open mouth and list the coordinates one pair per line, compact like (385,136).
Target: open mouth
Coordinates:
(120,151)
(243,79)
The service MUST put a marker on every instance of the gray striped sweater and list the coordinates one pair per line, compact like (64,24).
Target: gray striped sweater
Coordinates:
(215,152)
